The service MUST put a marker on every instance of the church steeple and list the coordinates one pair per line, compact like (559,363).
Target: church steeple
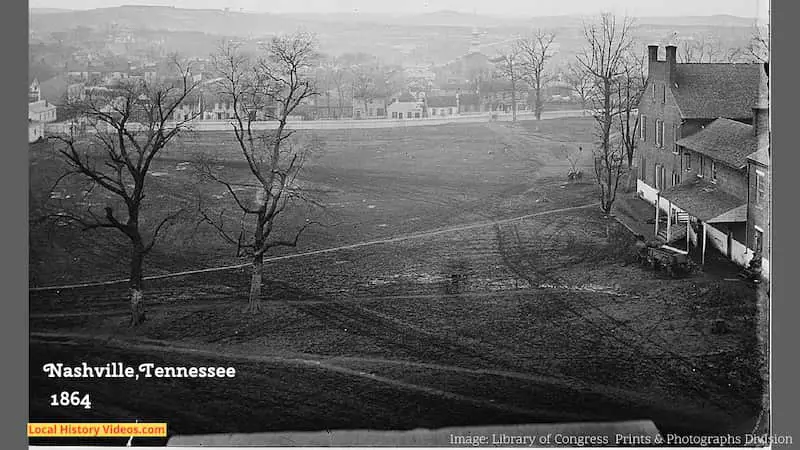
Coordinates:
(475,42)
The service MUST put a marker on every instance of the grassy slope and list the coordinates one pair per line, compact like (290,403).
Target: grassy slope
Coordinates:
(397,303)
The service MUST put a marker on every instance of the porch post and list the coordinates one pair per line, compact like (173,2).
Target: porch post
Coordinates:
(669,221)
(687,236)
(703,257)
(658,201)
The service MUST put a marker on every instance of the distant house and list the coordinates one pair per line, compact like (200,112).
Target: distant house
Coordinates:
(469,103)
(41,111)
(443,105)
(35,130)
(330,105)
(371,109)
(406,107)
(497,95)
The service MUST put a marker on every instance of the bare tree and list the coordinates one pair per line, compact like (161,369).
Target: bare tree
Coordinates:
(735,55)
(337,77)
(271,87)
(608,42)
(535,52)
(129,129)
(701,50)
(365,85)
(758,49)
(630,88)
(510,64)
(580,83)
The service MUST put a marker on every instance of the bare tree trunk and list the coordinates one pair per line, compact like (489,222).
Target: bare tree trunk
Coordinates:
(513,100)
(137,296)
(538,101)
(254,301)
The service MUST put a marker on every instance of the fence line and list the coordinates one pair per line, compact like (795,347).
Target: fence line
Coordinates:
(422,234)
(347,124)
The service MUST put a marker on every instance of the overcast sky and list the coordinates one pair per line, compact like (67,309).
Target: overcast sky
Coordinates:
(744,8)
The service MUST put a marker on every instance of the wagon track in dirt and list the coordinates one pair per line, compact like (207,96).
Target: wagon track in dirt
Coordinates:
(334,364)
(523,265)
(390,240)
(320,364)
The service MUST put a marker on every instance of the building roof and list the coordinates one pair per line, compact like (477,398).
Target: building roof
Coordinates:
(707,91)
(437,101)
(761,156)
(40,106)
(724,140)
(406,97)
(702,199)
(738,214)
(469,99)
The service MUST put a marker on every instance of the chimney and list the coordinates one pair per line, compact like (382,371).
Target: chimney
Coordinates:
(672,62)
(652,59)
(761,109)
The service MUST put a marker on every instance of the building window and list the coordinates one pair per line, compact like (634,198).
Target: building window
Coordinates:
(664,93)
(643,170)
(761,188)
(675,139)
(687,161)
(399,115)
(416,115)
(659,130)
(676,178)
(702,172)
(394,114)
(655,176)
(659,176)
(433,111)
(758,240)
(654,91)
(643,128)
(655,133)
(713,171)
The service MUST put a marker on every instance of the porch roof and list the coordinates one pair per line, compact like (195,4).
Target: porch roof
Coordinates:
(703,199)
(738,214)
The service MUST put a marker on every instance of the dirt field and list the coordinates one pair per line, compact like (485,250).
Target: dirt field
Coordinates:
(445,319)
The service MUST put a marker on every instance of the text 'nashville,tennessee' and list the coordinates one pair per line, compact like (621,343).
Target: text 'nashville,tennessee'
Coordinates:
(146,370)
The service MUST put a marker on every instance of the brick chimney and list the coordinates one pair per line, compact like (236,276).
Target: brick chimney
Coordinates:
(652,59)
(672,62)
(761,109)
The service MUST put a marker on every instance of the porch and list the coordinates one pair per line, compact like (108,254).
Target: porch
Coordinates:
(701,214)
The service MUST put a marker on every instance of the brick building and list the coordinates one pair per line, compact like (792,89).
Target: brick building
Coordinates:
(759,194)
(679,101)
(703,133)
